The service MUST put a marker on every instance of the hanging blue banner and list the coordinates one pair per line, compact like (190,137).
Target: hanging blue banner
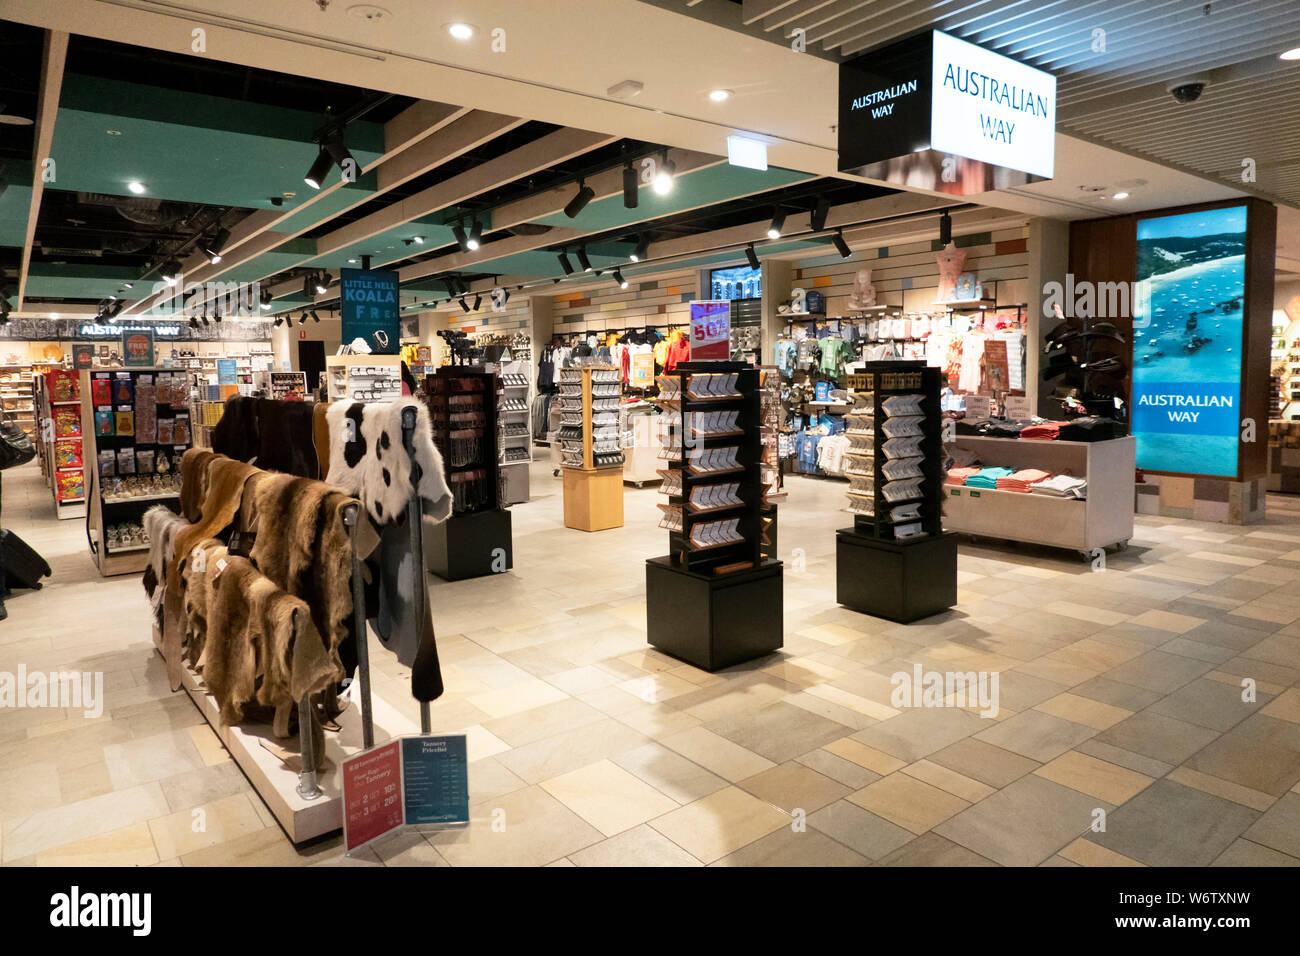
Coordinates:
(370,310)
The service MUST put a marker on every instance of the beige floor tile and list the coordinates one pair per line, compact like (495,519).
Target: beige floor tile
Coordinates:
(1095,655)
(794,786)
(264,848)
(525,828)
(608,797)
(1086,853)
(1086,612)
(717,754)
(1223,788)
(129,846)
(515,699)
(853,702)
(859,753)
(46,829)
(957,784)
(1222,558)
(1083,710)
(908,802)
(640,846)
(657,687)
(1167,621)
(1265,612)
(1286,706)
(1095,777)
(185,831)
(720,823)
(209,746)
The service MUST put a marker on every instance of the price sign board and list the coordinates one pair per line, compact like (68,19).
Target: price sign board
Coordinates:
(409,781)
(711,330)
(372,795)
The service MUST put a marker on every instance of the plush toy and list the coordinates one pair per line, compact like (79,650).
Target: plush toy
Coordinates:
(798,304)
(950,260)
(863,295)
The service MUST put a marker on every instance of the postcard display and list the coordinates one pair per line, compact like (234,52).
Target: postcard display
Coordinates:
(60,440)
(714,600)
(135,427)
(896,561)
(591,453)
(465,413)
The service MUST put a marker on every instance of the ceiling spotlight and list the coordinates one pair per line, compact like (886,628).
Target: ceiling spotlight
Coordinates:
(841,246)
(752,256)
(319,167)
(618,277)
(475,235)
(129,285)
(279,321)
(641,250)
(945,228)
(631,186)
(353,262)
(1292,54)
(478,301)
(314,316)
(463,304)
(171,272)
(579,202)
(458,231)
(817,218)
(266,300)
(302,319)
(1120,195)
(583,260)
(778,221)
(460,31)
(719,96)
(216,314)
(194,322)
(136,187)
(322,283)
(213,249)
(565,264)
(667,171)
(205,319)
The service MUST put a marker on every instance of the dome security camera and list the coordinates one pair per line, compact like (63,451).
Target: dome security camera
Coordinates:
(1187,90)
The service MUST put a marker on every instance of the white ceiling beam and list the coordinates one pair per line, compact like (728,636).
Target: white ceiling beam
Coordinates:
(53,59)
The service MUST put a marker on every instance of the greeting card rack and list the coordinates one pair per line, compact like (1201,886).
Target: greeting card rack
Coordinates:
(725,596)
(135,426)
(591,450)
(465,414)
(896,561)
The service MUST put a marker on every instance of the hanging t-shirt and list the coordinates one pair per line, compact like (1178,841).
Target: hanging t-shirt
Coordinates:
(972,350)
(835,352)
(786,350)
(679,351)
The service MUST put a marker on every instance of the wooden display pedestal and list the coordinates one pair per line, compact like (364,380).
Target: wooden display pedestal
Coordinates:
(469,545)
(898,581)
(714,621)
(593,498)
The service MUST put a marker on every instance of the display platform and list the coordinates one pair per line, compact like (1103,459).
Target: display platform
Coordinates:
(593,498)
(275,782)
(469,545)
(714,620)
(896,580)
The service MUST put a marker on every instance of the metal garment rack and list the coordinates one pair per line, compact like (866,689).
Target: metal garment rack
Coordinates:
(308,777)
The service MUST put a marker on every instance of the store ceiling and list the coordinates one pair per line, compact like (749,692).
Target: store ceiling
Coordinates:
(1111,85)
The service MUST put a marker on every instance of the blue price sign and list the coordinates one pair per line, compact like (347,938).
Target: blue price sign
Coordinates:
(435,780)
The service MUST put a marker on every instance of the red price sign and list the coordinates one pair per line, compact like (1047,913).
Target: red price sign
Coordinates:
(372,794)
(710,330)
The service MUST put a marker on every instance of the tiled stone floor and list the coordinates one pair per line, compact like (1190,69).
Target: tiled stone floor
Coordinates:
(1120,693)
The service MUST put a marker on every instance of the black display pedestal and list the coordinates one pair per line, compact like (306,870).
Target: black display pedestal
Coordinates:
(469,545)
(714,621)
(895,580)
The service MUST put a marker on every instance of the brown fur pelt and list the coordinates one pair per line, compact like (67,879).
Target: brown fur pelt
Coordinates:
(234,648)
(374,467)
(161,525)
(194,481)
(195,567)
(320,433)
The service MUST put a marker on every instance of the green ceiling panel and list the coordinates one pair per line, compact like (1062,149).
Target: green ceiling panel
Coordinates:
(701,187)
(284,256)
(56,281)
(329,205)
(15,202)
(188,147)
(388,245)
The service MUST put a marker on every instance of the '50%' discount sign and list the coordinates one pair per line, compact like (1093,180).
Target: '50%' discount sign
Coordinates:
(710,330)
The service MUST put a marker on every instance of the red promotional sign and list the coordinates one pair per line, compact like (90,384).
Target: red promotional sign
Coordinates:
(372,794)
(710,330)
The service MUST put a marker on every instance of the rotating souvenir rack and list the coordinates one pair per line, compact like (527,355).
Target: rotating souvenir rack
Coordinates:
(135,426)
(465,416)
(896,561)
(591,451)
(726,597)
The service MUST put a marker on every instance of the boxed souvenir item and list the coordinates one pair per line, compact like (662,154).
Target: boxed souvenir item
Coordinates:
(125,422)
(101,391)
(146,412)
(104,422)
(123,390)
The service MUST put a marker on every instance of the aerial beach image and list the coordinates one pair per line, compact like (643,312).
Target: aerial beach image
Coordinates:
(1187,340)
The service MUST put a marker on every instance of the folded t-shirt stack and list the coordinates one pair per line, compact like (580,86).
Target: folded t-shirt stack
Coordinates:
(1022,480)
(958,474)
(988,477)
(1045,432)
(1061,486)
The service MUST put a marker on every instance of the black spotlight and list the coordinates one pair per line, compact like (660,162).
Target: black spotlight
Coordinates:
(315,177)
(752,256)
(194,322)
(642,248)
(171,271)
(302,319)
(266,300)
(478,301)
(314,316)
(945,228)
(462,241)
(322,283)
(817,218)
(338,150)
(618,277)
(278,322)
(778,222)
(205,319)
(475,235)
(565,264)
(306,286)
(463,304)
(579,202)
(631,184)
(583,260)
(216,314)
(841,246)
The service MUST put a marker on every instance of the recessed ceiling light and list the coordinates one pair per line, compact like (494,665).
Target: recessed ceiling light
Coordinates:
(54,315)
(1291,54)
(136,187)
(113,132)
(460,31)
(352,261)
(719,95)
(1120,195)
